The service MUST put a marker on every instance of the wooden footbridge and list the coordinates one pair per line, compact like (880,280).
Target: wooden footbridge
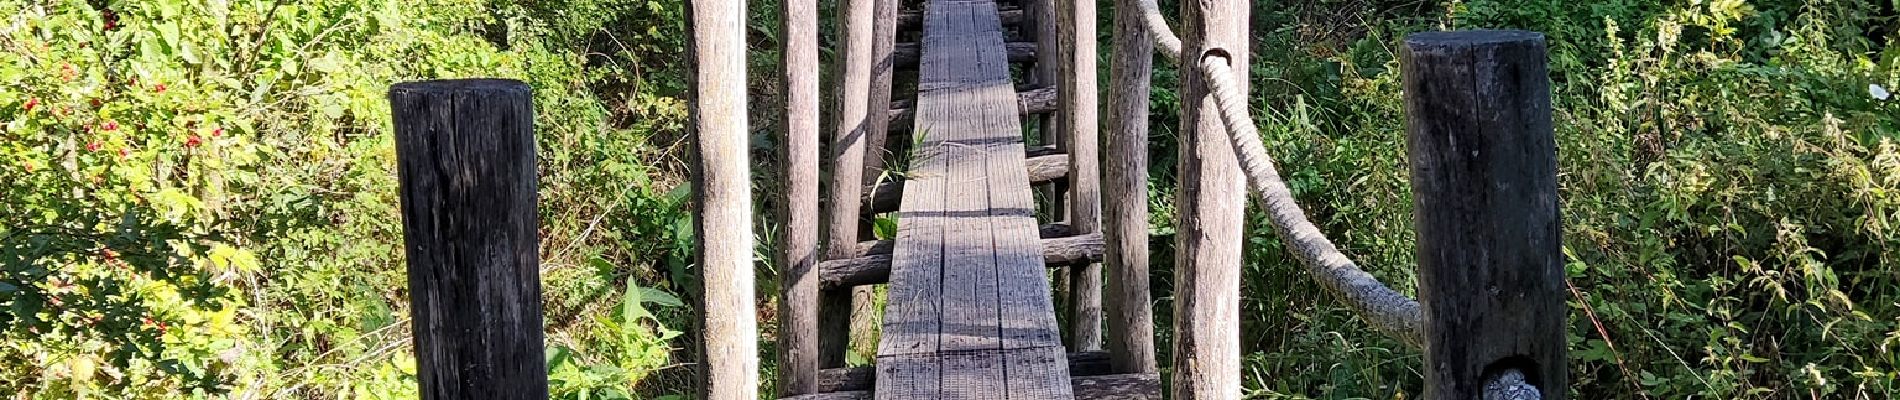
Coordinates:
(970,311)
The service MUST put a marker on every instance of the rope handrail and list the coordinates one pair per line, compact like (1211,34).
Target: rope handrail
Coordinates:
(1165,40)
(1387,310)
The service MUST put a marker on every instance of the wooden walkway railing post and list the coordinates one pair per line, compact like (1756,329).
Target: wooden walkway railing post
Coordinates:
(853,62)
(722,207)
(466,167)
(1080,126)
(1211,204)
(798,229)
(1131,343)
(1484,184)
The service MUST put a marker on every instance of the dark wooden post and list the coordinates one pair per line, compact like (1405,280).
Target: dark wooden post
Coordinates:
(466,165)
(722,190)
(1131,340)
(1211,204)
(847,171)
(1484,187)
(798,231)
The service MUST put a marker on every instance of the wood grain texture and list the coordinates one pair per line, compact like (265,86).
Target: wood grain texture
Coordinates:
(1128,305)
(1211,204)
(847,154)
(1078,113)
(798,232)
(466,167)
(1484,184)
(722,189)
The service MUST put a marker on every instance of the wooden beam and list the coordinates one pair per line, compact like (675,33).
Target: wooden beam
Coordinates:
(798,235)
(875,268)
(1046,231)
(466,167)
(1210,212)
(1484,190)
(915,20)
(1040,100)
(864,378)
(907,55)
(1125,194)
(1117,387)
(887,196)
(847,169)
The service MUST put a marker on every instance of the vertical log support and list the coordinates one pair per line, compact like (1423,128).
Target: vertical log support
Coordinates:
(1045,15)
(1211,202)
(722,189)
(1131,345)
(466,167)
(847,171)
(1484,184)
(1075,91)
(864,313)
(798,219)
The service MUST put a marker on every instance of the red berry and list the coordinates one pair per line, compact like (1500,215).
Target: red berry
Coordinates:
(217,132)
(110,126)
(96,103)
(94,146)
(193,141)
(159,89)
(123,153)
(32,102)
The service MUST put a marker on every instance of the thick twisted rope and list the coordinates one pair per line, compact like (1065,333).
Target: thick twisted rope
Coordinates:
(1388,311)
(1165,40)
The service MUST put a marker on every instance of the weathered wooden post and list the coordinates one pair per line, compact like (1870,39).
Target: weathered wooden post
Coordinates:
(466,166)
(722,190)
(1079,132)
(847,170)
(1484,187)
(1045,15)
(864,310)
(1131,340)
(798,240)
(1212,203)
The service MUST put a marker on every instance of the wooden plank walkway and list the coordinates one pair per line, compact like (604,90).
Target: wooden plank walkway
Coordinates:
(969,314)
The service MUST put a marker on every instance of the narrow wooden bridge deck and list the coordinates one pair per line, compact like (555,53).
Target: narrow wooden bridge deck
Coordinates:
(969,313)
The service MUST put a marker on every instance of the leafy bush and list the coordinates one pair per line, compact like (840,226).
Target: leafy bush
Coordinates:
(198,195)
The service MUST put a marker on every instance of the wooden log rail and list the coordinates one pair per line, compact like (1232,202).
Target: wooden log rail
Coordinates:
(906,54)
(874,267)
(886,196)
